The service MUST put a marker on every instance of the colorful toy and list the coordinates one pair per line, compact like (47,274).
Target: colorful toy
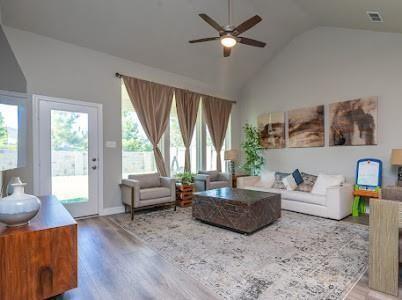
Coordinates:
(368,183)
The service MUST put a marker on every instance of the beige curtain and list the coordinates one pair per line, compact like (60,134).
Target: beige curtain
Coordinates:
(216,114)
(152,103)
(187,107)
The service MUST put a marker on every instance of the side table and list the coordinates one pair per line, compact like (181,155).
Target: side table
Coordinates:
(184,194)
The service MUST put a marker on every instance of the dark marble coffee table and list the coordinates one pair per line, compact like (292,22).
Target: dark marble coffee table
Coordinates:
(240,210)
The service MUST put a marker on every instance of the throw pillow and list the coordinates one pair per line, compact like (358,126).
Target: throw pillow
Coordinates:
(297,177)
(325,181)
(308,183)
(267,179)
(289,183)
(278,184)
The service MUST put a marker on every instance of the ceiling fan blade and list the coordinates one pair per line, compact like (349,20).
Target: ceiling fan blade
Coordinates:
(226,51)
(204,40)
(212,22)
(251,42)
(247,25)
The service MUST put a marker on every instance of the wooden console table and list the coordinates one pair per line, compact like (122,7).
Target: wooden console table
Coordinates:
(39,260)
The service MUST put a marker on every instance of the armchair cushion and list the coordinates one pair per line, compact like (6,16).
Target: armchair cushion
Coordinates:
(219,184)
(147,180)
(213,175)
(154,192)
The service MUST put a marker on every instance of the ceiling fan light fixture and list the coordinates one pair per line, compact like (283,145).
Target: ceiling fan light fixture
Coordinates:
(228,41)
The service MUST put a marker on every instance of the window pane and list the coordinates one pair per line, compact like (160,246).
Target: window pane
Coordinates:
(69,152)
(177,149)
(211,154)
(8,136)
(137,156)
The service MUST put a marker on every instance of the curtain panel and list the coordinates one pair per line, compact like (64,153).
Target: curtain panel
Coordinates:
(216,113)
(152,103)
(187,104)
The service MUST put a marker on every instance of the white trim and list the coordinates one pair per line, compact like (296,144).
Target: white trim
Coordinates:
(14,94)
(35,134)
(112,211)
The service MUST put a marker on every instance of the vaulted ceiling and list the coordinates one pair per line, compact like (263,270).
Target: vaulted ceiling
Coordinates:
(156,32)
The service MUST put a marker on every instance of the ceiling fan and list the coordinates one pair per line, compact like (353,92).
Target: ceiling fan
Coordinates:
(229,34)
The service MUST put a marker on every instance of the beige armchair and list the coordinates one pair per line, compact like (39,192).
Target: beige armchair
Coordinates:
(147,190)
(209,180)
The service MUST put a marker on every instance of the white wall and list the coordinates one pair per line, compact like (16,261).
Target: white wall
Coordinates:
(59,69)
(326,65)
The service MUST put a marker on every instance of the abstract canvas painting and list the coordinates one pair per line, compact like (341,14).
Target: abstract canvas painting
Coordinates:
(353,122)
(271,127)
(306,127)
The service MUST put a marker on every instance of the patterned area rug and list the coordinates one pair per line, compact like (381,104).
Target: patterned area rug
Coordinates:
(297,257)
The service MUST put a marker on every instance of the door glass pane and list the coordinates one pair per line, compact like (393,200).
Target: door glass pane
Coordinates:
(69,152)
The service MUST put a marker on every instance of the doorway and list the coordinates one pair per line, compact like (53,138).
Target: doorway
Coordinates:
(68,144)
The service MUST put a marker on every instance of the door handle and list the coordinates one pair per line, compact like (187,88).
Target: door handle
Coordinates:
(93,167)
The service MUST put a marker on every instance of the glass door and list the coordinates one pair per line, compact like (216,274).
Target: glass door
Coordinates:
(69,155)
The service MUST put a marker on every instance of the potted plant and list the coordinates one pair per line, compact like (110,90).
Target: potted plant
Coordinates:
(252,150)
(185,178)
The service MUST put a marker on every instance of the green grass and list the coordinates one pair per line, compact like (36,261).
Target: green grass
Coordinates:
(74,200)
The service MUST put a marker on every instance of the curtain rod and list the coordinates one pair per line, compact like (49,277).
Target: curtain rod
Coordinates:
(118,75)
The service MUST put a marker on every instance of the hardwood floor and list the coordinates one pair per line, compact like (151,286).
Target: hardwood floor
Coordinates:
(113,264)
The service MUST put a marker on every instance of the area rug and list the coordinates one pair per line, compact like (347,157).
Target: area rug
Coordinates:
(297,257)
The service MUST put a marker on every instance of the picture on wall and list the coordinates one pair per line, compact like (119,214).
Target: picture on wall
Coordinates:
(353,122)
(306,127)
(271,127)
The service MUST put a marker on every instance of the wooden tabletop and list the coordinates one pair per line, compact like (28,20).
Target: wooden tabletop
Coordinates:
(51,214)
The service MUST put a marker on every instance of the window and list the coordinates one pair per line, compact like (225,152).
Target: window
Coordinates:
(211,153)
(8,136)
(177,149)
(137,152)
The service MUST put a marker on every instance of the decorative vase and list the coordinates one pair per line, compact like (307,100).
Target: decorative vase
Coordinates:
(19,208)
(10,189)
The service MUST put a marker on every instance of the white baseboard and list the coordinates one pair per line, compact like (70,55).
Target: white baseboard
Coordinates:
(112,210)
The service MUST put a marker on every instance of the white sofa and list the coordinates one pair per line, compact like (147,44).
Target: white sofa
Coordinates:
(335,204)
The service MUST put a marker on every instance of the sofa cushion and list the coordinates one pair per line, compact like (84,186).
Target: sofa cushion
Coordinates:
(147,180)
(289,183)
(278,184)
(267,179)
(308,183)
(264,189)
(213,175)
(325,181)
(218,184)
(304,197)
(154,192)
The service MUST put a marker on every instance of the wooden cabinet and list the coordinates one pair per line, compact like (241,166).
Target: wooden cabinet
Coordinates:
(39,260)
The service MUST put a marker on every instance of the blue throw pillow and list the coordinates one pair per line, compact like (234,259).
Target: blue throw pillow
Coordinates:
(297,177)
